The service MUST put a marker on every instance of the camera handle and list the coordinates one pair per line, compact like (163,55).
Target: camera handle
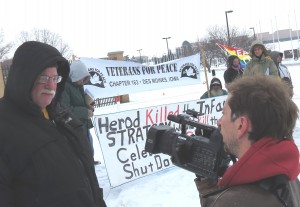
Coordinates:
(184,120)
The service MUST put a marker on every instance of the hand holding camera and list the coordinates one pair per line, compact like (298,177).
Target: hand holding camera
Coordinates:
(202,154)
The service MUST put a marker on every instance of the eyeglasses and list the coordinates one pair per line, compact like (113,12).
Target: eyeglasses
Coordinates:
(215,85)
(46,79)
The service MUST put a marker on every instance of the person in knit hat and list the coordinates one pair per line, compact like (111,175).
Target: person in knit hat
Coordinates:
(44,156)
(234,69)
(215,89)
(261,63)
(75,98)
(79,73)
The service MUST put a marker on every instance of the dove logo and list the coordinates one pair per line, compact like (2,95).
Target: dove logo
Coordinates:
(97,78)
(189,70)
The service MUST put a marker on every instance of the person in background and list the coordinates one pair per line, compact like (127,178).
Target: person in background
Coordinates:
(44,159)
(234,69)
(75,98)
(256,126)
(283,70)
(215,89)
(261,63)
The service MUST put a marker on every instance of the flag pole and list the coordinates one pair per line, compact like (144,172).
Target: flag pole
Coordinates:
(204,68)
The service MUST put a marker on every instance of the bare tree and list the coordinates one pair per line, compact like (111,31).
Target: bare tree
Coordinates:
(218,34)
(212,51)
(187,48)
(238,38)
(243,40)
(4,48)
(48,37)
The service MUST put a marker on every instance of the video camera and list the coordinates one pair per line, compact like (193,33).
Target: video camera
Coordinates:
(202,153)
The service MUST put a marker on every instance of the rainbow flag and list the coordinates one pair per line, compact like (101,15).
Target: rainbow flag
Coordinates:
(242,54)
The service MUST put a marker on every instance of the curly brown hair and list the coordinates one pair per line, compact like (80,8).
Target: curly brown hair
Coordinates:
(266,101)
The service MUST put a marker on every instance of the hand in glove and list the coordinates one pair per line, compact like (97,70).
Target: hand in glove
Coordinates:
(206,185)
(90,113)
(90,107)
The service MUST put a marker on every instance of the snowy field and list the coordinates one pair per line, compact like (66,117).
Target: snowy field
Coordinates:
(173,187)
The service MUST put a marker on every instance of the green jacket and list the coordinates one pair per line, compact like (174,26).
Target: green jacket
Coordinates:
(205,95)
(263,66)
(260,66)
(73,98)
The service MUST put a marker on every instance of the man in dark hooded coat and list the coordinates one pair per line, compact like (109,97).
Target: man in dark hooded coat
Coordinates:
(215,89)
(44,160)
(234,69)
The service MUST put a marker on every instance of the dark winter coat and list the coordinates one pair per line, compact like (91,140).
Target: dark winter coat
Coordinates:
(230,73)
(241,185)
(73,98)
(205,94)
(43,163)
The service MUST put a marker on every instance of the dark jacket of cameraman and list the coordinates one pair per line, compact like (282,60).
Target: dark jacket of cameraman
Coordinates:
(44,161)
(260,178)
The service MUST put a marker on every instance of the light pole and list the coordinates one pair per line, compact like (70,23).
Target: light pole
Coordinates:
(253,32)
(140,55)
(166,38)
(227,26)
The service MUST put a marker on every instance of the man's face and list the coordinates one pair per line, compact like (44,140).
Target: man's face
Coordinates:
(43,93)
(216,86)
(258,51)
(228,130)
(216,90)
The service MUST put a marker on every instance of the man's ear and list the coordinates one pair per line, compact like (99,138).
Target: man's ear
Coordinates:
(244,125)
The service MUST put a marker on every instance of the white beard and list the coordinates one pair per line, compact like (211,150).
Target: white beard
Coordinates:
(214,93)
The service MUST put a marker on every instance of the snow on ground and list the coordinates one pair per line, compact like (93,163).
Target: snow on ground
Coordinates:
(173,187)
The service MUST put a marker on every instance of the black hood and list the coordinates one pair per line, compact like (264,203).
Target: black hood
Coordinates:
(213,81)
(230,60)
(29,60)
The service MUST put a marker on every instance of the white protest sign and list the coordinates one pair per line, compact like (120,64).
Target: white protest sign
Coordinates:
(113,78)
(122,136)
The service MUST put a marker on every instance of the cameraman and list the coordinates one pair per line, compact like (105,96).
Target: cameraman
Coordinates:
(257,125)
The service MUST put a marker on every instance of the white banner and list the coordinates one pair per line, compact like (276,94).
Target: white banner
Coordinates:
(113,78)
(122,136)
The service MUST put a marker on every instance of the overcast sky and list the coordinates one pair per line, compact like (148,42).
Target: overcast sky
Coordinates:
(92,28)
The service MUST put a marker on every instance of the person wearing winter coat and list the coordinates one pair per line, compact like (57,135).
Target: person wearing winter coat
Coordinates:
(44,159)
(261,63)
(74,97)
(283,71)
(215,89)
(234,69)
(256,126)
